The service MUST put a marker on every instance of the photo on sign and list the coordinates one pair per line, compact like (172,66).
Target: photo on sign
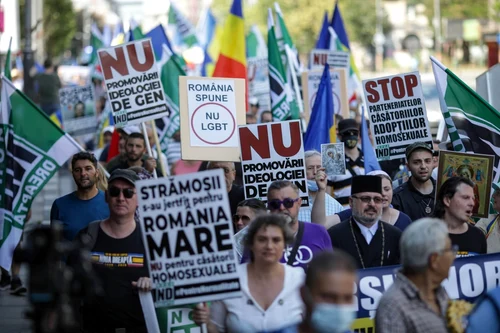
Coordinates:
(475,167)
(78,110)
(333,158)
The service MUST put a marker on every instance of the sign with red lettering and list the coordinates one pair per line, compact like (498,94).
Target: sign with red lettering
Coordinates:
(133,83)
(336,59)
(211,110)
(270,152)
(396,109)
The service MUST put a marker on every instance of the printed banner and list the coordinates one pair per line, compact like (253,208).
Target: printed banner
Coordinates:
(187,229)
(398,117)
(468,279)
(310,84)
(133,83)
(258,81)
(269,152)
(78,110)
(333,158)
(336,59)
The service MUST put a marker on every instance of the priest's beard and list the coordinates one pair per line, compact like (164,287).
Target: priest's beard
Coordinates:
(364,219)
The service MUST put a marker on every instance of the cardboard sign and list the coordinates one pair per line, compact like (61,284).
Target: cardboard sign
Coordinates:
(468,279)
(333,158)
(78,110)
(396,109)
(336,59)
(211,110)
(133,83)
(310,85)
(475,167)
(269,152)
(188,233)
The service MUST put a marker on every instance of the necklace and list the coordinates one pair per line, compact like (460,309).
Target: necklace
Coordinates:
(427,204)
(357,246)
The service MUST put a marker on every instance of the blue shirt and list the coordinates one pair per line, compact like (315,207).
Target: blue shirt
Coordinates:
(75,214)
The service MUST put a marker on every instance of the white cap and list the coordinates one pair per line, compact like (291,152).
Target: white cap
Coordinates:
(253,101)
(109,129)
(131,129)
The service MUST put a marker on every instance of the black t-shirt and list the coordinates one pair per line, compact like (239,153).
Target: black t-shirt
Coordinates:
(472,242)
(117,262)
(236,195)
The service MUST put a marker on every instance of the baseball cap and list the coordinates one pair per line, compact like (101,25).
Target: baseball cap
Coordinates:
(108,129)
(131,129)
(124,174)
(348,125)
(253,101)
(417,145)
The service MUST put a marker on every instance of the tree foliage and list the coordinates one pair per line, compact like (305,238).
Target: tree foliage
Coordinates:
(59,25)
(455,9)
(304,18)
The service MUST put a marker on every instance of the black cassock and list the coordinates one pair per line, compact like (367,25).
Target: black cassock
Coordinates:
(342,238)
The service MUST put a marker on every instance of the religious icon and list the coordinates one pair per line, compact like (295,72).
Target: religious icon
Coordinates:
(475,167)
(333,158)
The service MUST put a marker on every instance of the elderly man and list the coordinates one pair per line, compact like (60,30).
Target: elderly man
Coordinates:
(118,259)
(327,295)
(329,205)
(371,242)
(235,192)
(310,239)
(417,302)
(454,204)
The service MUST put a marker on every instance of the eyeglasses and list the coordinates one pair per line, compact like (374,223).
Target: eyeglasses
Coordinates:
(276,204)
(377,200)
(115,192)
(454,249)
(237,217)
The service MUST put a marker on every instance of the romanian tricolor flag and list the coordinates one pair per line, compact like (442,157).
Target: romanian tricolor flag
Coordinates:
(232,57)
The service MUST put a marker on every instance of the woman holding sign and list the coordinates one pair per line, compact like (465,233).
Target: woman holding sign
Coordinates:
(271,290)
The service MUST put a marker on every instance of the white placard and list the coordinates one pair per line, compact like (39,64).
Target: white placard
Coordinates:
(336,59)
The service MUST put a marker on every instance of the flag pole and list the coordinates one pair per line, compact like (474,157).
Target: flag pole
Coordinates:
(294,78)
(164,168)
(148,147)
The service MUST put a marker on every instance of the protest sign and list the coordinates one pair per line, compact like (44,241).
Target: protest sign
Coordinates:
(269,152)
(475,167)
(73,75)
(468,279)
(187,230)
(177,319)
(133,83)
(396,109)
(78,110)
(333,158)
(310,85)
(211,110)
(336,59)
(258,81)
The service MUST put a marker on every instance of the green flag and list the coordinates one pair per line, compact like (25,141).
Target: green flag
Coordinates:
(183,26)
(135,32)
(6,70)
(277,79)
(283,38)
(170,70)
(256,46)
(97,42)
(31,153)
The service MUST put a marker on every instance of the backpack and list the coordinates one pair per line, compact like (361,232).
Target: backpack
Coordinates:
(89,237)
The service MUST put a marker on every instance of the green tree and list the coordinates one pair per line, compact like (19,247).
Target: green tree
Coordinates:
(59,25)
(304,17)
(455,9)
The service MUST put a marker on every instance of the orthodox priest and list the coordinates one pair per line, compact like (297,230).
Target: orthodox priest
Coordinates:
(371,242)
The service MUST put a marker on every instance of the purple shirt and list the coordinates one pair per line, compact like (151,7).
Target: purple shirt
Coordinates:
(315,240)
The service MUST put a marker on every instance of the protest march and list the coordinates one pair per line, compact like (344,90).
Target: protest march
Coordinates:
(211,179)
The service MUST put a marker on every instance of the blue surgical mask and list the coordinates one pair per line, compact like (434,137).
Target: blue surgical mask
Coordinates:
(312,185)
(332,318)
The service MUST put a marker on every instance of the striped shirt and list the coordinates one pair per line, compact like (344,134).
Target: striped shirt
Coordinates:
(332,207)
(342,184)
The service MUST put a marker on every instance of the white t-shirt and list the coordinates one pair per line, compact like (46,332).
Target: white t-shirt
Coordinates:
(244,314)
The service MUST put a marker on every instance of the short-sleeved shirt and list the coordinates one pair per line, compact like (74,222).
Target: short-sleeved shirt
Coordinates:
(409,200)
(342,184)
(75,214)
(332,207)
(401,309)
(470,243)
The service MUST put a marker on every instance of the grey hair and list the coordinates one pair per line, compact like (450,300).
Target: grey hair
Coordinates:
(421,239)
(311,153)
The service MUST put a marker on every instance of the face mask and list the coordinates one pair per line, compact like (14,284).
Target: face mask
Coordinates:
(312,185)
(332,318)
(350,141)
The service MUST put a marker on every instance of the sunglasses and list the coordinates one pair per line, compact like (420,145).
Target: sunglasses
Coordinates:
(276,204)
(237,217)
(115,192)
(377,200)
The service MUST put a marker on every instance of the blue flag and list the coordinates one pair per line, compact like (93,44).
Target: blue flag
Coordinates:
(321,126)
(338,26)
(158,38)
(371,162)
(323,41)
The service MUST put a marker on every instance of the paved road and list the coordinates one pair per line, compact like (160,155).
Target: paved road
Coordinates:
(12,309)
